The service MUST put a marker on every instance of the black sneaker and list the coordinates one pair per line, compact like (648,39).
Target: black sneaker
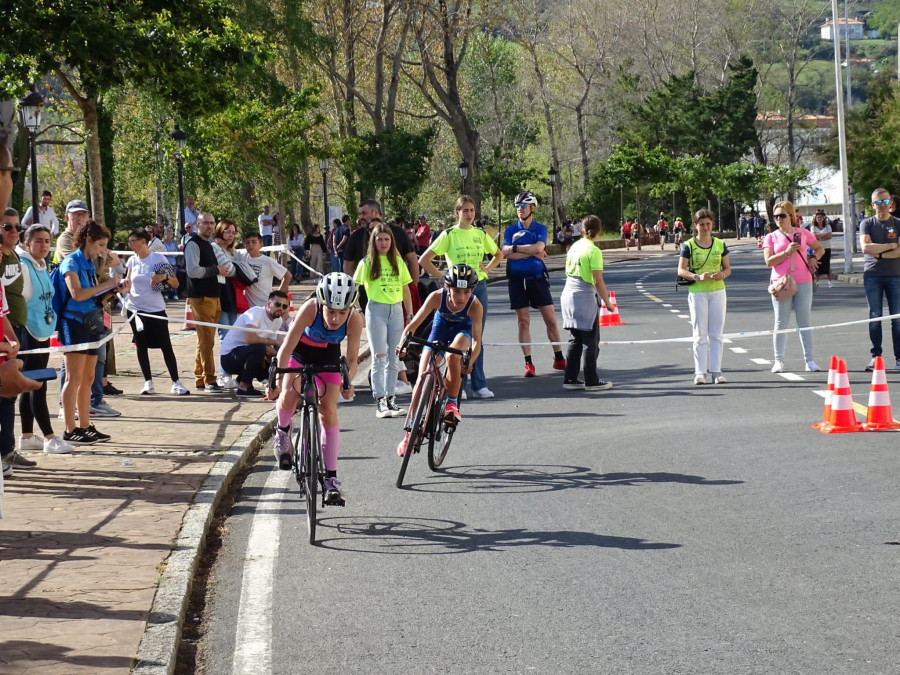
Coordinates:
(573,384)
(110,390)
(213,388)
(249,392)
(602,385)
(79,436)
(101,437)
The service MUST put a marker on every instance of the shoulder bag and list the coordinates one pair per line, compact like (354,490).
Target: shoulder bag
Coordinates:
(784,287)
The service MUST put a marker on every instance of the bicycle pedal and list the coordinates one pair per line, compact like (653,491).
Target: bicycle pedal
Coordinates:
(334,502)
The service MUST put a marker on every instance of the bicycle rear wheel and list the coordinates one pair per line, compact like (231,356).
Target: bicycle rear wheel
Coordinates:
(417,426)
(441,436)
(310,470)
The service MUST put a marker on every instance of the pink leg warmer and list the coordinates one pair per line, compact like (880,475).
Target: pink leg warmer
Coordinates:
(331,446)
(284,416)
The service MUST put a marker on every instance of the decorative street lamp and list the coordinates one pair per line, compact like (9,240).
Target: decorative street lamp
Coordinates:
(621,206)
(324,162)
(553,174)
(180,138)
(30,111)
(463,174)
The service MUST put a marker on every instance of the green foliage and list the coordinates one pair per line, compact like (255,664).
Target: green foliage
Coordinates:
(884,18)
(396,162)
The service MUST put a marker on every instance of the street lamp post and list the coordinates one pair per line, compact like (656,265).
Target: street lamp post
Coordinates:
(621,206)
(324,162)
(553,174)
(30,110)
(463,174)
(180,137)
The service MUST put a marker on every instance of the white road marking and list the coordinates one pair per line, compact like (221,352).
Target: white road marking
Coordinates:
(675,311)
(761,362)
(791,377)
(253,638)
(680,316)
(728,342)
(666,305)
(738,350)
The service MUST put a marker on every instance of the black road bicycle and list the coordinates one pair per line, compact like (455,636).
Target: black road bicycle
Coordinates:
(306,462)
(427,420)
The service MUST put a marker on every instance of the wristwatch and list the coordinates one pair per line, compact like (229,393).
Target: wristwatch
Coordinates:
(515,247)
(696,277)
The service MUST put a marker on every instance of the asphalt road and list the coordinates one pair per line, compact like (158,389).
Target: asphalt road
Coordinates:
(657,527)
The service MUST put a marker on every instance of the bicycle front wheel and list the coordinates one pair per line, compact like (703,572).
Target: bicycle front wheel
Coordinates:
(441,436)
(310,469)
(417,425)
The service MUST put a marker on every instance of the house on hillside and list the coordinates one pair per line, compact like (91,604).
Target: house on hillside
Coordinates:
(855,27)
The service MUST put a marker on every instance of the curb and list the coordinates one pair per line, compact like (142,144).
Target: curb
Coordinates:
(158,649)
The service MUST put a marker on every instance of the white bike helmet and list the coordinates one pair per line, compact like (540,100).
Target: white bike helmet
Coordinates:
(337,290)
(525,198)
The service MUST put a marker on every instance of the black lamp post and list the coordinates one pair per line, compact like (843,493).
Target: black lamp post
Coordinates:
(30,110)
(323,166)
(621,206)
(179,137)
(463,174)
(553,174)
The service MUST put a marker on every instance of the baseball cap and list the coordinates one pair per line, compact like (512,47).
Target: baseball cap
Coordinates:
(77,205)
(422,217)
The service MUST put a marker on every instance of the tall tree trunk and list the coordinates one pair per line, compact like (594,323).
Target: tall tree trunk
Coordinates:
(306,222)
(582,143)
(548,121)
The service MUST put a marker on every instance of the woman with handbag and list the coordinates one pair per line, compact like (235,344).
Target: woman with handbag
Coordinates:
(704,265)
(791,287)
(82,322)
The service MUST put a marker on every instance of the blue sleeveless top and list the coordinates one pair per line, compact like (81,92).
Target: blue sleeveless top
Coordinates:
(459,321)
(317,335)
(41,321)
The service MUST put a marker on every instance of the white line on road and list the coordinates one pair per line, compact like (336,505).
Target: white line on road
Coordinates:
(253,638)
(738,350)
(683,316)
(666,305)
(791,377)
(761,362)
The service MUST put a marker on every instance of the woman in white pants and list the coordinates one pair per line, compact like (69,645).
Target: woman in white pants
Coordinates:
(704,262)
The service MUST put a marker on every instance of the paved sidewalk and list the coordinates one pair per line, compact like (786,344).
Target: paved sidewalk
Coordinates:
(86,536)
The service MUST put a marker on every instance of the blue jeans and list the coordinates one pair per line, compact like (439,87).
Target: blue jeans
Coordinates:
(97,384)
(801,303)
(384,325)
(877,288)
(479,381)
(336,264)
(267,241)
(226,319)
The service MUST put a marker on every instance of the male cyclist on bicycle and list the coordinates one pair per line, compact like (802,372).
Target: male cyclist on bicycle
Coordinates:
(314,338)
(457,323)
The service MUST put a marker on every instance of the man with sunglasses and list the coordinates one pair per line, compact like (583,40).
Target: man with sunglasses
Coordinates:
(524,247)
(881,270)
(246,354)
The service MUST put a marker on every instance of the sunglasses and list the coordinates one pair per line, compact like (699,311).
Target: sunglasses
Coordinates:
(779,216)
(9,227)
(881,202)
(521,206)
(282,305)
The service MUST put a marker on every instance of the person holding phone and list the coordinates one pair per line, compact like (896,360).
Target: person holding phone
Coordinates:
(39,326)
(84,294)
(784,250)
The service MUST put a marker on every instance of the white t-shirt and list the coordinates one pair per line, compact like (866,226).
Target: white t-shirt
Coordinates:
(141,297)
(267,270)
(47,219)
(265,224)
(255,316)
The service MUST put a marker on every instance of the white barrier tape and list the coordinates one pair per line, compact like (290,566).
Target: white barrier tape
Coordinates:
(75,348)
(314,271)
(726,336)
(194,322)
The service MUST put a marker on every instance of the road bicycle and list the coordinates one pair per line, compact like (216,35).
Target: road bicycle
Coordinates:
(427,420)
(306,461)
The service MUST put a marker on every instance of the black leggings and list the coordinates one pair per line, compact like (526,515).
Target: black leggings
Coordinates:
(155,335)
(143,357)
(588,343)
(33,404)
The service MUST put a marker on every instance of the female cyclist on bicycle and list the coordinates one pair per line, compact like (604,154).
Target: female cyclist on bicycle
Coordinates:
(314,338)
(457,323)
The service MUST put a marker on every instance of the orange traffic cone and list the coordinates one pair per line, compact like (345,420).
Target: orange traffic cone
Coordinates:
(188,316)
(843,417)
(605,315)
(290,309)
(879,417)
(759,243)
(829,393)
(615,318)
(54,340)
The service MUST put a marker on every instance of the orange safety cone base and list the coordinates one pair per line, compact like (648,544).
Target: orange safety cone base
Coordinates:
(880,426)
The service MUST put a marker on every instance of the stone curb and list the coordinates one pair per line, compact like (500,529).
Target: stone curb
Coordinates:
(158,650)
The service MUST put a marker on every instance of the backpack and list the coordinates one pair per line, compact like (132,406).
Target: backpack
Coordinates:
(61,294)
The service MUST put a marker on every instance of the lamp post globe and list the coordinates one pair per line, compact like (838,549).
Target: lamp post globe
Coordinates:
(30,111)
(463,167)
(324,163)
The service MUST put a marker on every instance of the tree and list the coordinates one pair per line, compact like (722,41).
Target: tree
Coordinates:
(190,53)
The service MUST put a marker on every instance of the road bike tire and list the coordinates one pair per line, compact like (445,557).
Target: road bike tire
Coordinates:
(297,459)
(312,441)
(417,426)
(441,437)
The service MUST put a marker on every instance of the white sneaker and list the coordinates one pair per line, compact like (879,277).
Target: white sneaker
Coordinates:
(104,409)
(61,415)
(830,285)
(57,446)
(402,388)
(484,392)
(179,389)
(226,382)
(720,380)
(148,388)
(811,367)
(35,442)
(341,399)
(463,396)
(778,367)
(699,379)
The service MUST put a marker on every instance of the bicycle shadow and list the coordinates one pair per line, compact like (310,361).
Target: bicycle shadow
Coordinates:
(545,478)
(433,536)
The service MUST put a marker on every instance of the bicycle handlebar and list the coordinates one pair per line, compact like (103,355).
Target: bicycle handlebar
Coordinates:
(439,346)
(311,370)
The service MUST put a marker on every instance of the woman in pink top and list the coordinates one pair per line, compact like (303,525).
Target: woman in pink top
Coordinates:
(786,245)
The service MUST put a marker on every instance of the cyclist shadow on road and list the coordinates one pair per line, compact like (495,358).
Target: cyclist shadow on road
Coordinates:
(433,536)
(545,478)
